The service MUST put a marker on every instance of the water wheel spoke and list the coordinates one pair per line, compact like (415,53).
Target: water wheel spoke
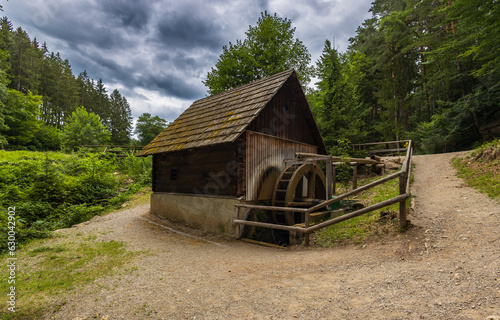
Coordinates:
(299,185)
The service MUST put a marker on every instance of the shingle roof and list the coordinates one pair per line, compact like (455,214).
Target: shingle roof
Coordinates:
(219,118)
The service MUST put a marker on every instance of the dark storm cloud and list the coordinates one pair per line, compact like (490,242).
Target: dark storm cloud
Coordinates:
(160,79)
(171,85)
(129,13)
(77,30)
(183,30)
(157,52)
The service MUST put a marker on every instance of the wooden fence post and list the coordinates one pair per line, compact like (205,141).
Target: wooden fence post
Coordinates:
(334,180)
(329,180)
(355,176)
(307,224)
(402,203)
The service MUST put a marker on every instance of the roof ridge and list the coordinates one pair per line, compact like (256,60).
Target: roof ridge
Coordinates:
(219,118)
(255,82)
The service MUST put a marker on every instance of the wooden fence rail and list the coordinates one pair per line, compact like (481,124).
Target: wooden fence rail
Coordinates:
(396,146)
(404,193)
(120,150)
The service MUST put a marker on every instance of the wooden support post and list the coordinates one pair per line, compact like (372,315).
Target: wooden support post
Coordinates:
(239,227)
(355,176)
(402,203)
(329,180)
(334,180)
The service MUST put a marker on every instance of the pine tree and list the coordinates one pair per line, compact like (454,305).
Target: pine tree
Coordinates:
(148,127)
(336,106)
(120,123)
(101,105)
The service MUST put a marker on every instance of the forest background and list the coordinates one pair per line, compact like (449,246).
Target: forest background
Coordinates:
(417,69)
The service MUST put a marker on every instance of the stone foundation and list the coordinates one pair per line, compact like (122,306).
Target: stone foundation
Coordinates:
(213,214)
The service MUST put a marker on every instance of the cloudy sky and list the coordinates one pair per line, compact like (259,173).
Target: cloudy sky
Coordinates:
(158,52)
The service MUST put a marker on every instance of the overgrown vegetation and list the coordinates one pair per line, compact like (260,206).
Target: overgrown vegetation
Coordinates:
(55,190)
(373,224)
(53,267)
(481,168)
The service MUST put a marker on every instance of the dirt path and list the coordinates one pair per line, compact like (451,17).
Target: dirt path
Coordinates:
(446,267)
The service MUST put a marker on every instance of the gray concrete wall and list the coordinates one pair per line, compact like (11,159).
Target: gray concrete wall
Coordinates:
(214,214)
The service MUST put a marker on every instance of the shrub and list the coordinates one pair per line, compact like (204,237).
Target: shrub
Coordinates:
(55,190)
(137,168)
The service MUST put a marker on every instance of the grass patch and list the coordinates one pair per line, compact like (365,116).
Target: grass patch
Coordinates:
(47,269)
(372,224)
(481,168)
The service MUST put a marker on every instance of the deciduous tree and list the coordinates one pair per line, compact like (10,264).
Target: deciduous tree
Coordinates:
(84,128)
(270,47)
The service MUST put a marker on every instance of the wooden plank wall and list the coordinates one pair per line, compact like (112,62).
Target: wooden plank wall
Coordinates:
(285,117)
(205,171)
(264,162)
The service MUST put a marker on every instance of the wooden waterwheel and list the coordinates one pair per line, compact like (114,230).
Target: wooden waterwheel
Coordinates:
(299,185)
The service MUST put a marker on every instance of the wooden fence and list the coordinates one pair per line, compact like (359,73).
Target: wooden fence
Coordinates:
(404,193)
(118,150)
(382,147)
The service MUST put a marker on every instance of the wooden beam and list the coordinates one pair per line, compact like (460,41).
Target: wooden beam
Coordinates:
(353,192)
(253,206)
(356,213)
(269,225)
(376,143)
(312,156)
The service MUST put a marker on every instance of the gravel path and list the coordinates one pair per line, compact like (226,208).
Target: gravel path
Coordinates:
(445,267)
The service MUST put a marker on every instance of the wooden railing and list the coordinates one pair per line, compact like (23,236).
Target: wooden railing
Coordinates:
(404,193)
(387,147)
(119,150)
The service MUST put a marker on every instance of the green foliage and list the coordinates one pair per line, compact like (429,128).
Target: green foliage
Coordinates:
(429,72)
(337,112)
(120,123)
(481,168)
(21,117)
(270,47)
(139,169)
(31,72)
(148,127)
(84,128)
(47,138)
(3,95)
(55,190)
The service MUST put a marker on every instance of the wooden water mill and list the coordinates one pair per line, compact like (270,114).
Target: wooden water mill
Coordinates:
(298,185)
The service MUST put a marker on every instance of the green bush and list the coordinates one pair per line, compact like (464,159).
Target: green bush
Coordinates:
(55,190)
(137,168)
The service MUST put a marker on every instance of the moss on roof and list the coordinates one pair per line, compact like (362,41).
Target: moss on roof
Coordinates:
(219,118)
